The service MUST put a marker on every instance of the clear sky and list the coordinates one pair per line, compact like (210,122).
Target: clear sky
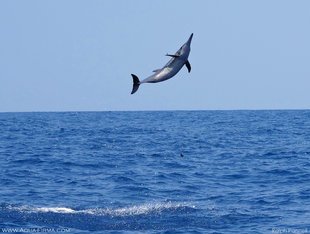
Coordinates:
(78,55)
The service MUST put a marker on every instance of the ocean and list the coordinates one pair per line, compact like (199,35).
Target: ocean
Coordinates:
(155,172)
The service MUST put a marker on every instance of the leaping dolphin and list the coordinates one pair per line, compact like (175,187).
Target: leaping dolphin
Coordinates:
(170,69)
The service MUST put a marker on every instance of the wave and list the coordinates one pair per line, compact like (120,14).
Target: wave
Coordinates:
(136,217)
(149,208)
(150,216)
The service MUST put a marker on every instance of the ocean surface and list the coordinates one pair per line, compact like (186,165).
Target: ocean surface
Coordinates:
(155,172)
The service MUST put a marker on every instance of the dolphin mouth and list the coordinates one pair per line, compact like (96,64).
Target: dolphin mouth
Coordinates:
(190,38)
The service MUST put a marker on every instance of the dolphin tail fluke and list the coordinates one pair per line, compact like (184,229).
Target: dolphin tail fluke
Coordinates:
(136,83)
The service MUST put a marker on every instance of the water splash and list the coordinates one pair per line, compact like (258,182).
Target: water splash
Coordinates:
(144,209)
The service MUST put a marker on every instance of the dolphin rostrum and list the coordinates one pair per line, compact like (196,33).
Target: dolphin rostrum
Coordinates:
(170,69)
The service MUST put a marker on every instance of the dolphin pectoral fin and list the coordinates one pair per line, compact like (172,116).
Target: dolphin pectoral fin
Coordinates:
(156,70)
(173,55)
(188,65)
(136,83)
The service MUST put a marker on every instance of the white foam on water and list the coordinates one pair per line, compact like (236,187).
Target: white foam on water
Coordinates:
(56,210)
(146,209)
(143,209)
(27,209)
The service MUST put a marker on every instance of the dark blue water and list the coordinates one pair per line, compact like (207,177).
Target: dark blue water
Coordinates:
(118,172)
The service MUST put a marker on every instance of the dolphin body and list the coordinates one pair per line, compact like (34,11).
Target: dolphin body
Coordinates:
(170,69)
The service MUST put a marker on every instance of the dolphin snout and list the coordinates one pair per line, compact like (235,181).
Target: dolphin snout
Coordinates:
(190,38)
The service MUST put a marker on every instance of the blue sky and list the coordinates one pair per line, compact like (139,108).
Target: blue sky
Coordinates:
(78,55)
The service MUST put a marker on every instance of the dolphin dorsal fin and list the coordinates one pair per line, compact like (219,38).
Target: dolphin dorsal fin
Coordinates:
(156,70)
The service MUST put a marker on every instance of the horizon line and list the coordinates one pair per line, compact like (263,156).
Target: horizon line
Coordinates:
(168,110)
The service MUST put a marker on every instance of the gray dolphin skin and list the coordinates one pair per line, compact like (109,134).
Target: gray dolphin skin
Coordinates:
(170,69)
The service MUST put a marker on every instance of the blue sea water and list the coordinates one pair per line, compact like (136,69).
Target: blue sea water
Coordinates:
(122,172)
